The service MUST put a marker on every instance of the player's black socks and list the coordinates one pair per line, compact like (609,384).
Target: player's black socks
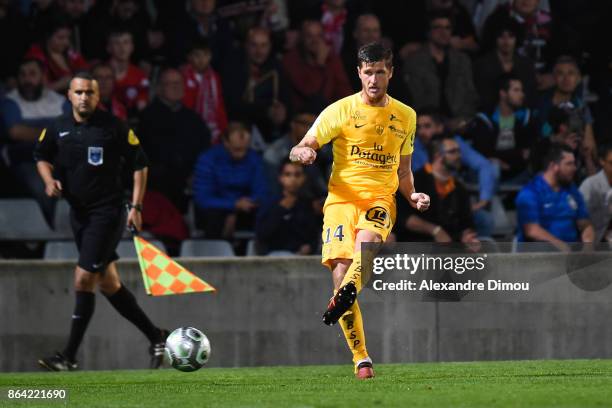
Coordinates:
(83,310)
(125,303)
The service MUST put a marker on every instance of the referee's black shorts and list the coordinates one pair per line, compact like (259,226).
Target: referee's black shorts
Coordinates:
(97,233)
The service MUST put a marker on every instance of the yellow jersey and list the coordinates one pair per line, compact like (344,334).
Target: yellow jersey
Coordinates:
(367,144)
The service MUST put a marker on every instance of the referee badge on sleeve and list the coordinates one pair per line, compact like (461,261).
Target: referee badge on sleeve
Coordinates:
(95,155)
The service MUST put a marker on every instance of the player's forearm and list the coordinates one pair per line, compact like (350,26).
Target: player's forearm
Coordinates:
(307,141)
(406,183)
(45,169)
(140,185)
(536,233)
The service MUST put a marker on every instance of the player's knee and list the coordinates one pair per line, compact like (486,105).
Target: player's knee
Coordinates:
(368,236)
(84,281)
(109,288)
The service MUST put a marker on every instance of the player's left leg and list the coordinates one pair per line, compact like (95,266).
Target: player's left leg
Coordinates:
(125,303)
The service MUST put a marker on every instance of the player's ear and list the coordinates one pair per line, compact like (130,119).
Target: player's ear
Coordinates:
(391,72)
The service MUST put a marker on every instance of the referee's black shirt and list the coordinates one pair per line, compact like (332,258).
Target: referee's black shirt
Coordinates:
(89,157)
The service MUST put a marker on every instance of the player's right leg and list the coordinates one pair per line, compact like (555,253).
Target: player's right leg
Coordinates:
(84,284)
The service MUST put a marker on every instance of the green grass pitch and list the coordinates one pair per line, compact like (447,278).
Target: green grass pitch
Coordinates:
(570,383)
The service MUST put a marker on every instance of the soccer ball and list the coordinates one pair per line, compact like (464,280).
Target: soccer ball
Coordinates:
(187,349)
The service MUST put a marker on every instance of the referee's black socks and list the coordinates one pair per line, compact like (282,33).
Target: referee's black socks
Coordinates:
(125,303)
(83,310)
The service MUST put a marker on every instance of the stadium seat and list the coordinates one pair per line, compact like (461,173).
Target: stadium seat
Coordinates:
(61,250)
(251,249)
(207,247)
(503,224)
(280,253)
(62,220)
(21,219)
(126,249)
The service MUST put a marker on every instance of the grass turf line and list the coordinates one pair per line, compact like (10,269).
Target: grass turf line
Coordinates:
(565,383)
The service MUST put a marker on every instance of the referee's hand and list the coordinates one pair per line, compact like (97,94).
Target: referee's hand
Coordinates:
(53,188)
(134,219)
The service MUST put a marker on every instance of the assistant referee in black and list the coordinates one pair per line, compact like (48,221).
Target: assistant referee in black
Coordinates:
(81,157)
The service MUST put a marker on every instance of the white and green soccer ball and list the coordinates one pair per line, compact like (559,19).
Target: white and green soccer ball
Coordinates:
(187,349)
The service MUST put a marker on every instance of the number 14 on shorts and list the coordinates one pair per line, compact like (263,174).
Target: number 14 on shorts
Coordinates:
(337,234)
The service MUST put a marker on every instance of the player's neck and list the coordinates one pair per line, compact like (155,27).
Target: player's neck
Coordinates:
(380,103)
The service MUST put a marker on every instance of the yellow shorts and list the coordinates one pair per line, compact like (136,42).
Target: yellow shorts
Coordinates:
(341,221)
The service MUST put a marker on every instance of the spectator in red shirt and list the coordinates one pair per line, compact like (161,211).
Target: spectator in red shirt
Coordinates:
(203,89)
(61,62)
(131,83)
(103,73)
(315,73)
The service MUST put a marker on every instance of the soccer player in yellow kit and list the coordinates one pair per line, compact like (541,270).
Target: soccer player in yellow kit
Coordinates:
(373,139)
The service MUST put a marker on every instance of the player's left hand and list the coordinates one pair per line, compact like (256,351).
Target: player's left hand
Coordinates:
(135,219)
(420,201)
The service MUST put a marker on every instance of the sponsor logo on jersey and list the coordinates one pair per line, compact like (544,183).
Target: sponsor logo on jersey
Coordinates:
(379,129)
(379,216)
(376,154)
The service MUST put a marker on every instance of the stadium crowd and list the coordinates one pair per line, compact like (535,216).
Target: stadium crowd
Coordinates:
(513,101)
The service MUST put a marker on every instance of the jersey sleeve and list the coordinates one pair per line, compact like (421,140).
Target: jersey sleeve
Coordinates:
(408,145)
(132,151)
(328,124)
(46,145)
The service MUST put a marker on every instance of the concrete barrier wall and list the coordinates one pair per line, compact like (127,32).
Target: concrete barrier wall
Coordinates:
(268,312)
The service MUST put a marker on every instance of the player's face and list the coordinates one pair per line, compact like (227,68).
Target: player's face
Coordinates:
(84,96)
(30,81)
(367,30)
(567,77)
(440,32)
(312,37)
(200,59)
(506,43)
(566,169)
(237,144)
(375,79)
(515,95)
(427,128)
(526,7)
(451,155)
(203,7)
(171,87)
(606,165)
(120,47)
(106,81)
(258,47)
(74,8)
(292,178)
(59,41)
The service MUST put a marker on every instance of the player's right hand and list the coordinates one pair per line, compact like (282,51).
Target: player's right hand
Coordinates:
(305,154)
(53,188)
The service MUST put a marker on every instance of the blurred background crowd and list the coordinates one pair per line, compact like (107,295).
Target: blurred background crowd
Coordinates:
(513,101)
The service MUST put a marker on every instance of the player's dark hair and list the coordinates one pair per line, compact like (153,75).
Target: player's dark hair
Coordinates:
(286,162)
(604,149)
(234,126)
(439,14)
(118,32)
(200,45)
(83,75)
(32,60)
(567,59)
(509,25)
(503,81)
(554,154)
(433,113)
(375,52)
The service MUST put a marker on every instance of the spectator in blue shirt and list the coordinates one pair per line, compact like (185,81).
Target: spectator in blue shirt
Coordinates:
(229,184)
(550,208)
(431,123)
